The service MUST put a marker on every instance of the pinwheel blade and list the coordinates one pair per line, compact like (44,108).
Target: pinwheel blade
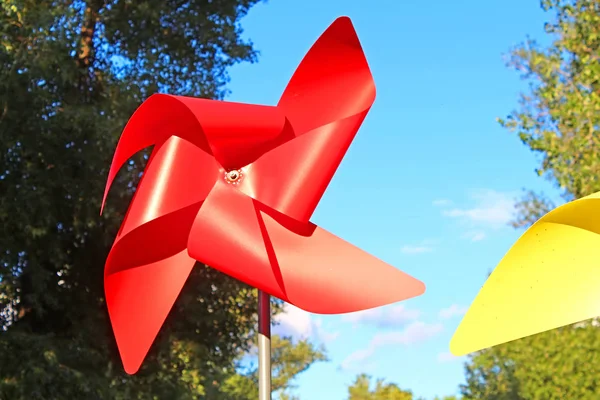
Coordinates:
(238,133)
(177,175)
(139,300)
(227,236)
(151,125)
(548,279)
(332,82)
(293,177)
(327,275)
(148,264)
(326,101)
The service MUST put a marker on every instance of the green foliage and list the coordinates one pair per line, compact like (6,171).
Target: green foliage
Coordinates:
(560,116)
(559,119)
(560,364)
(530,208)
(361,390)
(288,360)
(71,74)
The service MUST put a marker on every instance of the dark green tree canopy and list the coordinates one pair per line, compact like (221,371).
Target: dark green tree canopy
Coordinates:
(71,74)
(559,117)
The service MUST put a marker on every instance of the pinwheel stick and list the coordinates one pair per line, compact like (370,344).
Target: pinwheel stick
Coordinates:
(264,346)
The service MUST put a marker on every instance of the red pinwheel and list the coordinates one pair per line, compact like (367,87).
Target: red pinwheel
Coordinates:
(233,186)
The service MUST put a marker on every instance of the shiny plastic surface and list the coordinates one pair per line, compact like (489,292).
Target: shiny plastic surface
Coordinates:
(548,279)
(252,223)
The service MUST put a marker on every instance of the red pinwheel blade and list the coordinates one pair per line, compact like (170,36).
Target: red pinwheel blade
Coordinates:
(327,275)
(332,82)
(227,236)
(151,125)
(326,101)
(178,175)
(294,261)
(238,133)
(293,177)
(139,300)
(148,264)
(234,133)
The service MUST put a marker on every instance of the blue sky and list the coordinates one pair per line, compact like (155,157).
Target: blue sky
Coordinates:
(430,181)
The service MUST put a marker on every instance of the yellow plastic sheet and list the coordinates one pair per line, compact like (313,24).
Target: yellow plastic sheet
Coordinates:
(549,278)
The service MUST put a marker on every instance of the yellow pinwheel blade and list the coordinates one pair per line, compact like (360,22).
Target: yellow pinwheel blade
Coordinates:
(549,278)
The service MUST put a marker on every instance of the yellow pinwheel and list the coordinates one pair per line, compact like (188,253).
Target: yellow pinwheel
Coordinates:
(548,279)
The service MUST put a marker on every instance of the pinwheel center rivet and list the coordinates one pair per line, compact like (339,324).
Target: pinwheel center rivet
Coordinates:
(233,176)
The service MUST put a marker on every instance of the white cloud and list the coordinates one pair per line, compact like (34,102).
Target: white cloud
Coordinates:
(383,317)
(322,334)
(583,324)
(425,246)
(447,357)
(441,202)
(408,249)
(416,332)
(492,208)
(475,236)
(299,324)
(293,321)
(355,358)
(453,311)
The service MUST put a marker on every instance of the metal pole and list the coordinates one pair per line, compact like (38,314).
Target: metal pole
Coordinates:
(264,346)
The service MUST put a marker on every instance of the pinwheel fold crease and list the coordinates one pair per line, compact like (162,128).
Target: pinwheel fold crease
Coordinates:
(548,279)
(233,186)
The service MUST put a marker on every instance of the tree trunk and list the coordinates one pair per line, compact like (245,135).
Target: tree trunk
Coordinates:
(86,51)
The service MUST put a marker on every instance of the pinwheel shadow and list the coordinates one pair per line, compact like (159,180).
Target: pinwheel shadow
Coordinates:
(153,241)
(305,229)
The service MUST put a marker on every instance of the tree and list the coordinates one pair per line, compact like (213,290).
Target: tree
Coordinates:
(71,74)
(558,364)
(288,360)
(361,390)
(559,119)
(560,116)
